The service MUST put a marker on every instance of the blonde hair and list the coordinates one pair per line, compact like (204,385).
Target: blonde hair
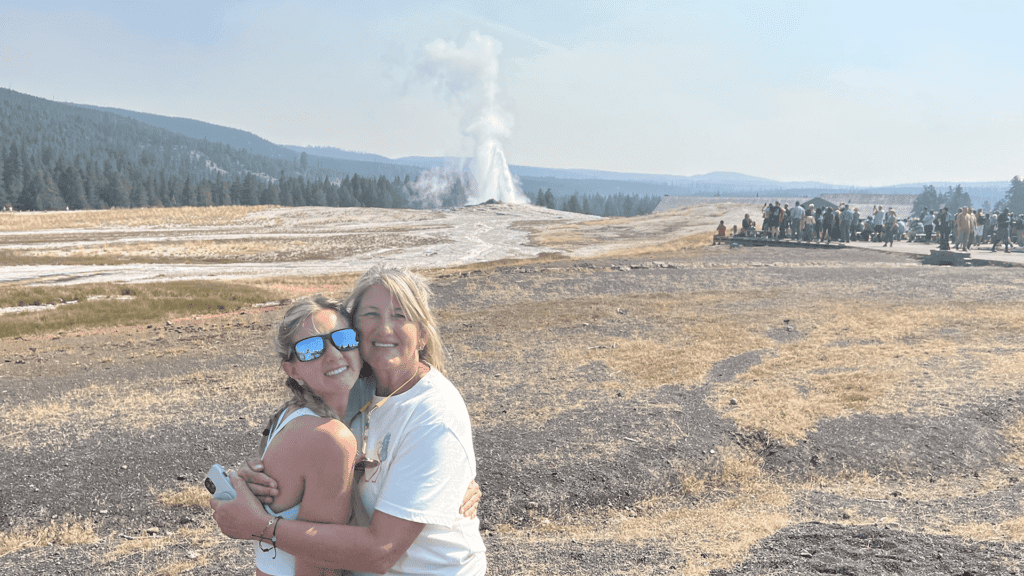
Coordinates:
(302,395)
(413,294)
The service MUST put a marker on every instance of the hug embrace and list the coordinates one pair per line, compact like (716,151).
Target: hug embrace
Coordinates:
(369,467)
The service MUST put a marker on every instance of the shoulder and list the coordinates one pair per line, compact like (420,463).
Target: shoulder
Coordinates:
(437,398)
(320,433)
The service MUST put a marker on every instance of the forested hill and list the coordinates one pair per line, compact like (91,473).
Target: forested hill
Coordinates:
(371,165)
(59,155)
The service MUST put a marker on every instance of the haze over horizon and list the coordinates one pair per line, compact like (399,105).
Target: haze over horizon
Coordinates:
(871,94)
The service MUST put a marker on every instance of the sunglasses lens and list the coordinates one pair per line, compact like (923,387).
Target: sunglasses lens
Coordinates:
(309,349)
(345,339)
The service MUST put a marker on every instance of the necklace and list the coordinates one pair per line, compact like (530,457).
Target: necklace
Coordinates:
(364,462)
(388,397)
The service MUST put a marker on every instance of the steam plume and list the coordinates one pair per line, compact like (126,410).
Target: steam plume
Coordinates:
(469,75)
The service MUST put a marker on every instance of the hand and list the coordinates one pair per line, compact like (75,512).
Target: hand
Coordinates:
(263,486)
(471,500)
(243,517)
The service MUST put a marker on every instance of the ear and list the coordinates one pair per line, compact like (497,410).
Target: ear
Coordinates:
(423,339)
(289,369)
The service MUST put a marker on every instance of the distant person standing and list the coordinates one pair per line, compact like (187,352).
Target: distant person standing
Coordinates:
(962,224)
(828,219)
(796,221)
(943,223)
(891,227)
(1002,233)
(845,224)
(928,221)
(774,219)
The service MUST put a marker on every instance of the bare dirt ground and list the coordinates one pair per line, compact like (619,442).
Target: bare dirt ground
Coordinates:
(692,409)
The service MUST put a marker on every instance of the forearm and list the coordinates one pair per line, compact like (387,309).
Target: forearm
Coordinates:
(337,546)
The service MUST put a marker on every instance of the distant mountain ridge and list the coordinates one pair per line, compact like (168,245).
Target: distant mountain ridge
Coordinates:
(363,164)
(563,181)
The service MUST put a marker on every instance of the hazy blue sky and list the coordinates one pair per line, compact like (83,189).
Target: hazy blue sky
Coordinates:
(854,92)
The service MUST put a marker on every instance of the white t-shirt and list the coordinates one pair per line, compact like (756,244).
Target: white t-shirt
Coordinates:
(423,440)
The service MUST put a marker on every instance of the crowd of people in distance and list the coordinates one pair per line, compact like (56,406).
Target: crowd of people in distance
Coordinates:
(806,223)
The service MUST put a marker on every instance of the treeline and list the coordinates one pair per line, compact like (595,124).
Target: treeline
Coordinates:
(596,204)
(932,199)
(956,198)
(53,183)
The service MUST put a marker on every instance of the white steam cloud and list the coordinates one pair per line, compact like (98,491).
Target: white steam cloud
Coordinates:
(469,77)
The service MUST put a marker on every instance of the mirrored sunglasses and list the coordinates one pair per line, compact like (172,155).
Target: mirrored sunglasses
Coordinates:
(314,347)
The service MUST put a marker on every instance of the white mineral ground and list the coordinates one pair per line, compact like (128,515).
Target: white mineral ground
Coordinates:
(315,241)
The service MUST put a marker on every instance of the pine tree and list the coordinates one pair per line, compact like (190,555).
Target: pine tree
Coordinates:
(572,204)
(188,192)
(13,183)
(928,199)
(958,198)
(139,196)
(270,196)
(29,197)
(49,195)
(1014,199)
(117,192)
(204,193)
(72,189)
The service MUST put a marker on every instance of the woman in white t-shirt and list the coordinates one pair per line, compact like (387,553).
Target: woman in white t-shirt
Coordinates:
(416,451)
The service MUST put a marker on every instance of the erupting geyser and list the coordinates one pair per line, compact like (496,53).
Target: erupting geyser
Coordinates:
(469,75)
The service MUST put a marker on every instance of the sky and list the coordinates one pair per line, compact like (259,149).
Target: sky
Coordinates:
(858,93)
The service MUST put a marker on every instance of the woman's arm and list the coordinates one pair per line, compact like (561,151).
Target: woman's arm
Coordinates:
(327,460)
(372,549)
(265,488)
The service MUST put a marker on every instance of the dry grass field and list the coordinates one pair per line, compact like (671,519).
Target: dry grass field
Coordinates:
(658,406)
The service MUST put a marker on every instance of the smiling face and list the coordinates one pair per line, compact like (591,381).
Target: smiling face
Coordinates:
(388,339)
(333,374)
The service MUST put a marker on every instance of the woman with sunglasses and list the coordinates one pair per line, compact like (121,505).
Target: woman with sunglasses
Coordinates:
(415,451)
(307,448)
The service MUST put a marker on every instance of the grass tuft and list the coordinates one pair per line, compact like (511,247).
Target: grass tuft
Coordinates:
(66,531)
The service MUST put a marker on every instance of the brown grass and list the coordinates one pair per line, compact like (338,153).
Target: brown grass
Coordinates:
(189,496)
(137,406)
(67,531)
(835,368)
(740,507)
(135,217)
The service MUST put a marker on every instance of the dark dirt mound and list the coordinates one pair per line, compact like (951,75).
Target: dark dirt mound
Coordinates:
(898,446)
(815,549)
